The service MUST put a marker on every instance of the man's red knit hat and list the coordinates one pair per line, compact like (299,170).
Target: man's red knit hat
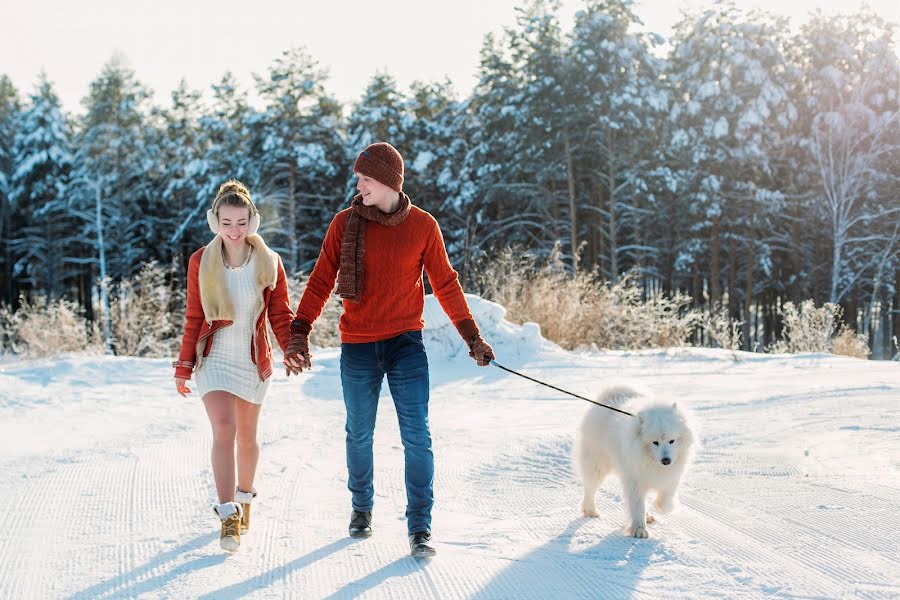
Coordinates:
(383,163)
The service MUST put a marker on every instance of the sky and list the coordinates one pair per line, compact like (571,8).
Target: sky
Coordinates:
(199,40)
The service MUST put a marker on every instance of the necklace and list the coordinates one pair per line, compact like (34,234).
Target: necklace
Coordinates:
(240,268)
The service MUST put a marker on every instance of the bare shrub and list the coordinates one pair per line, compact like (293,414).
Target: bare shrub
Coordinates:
(723,330)
(807,328)
(325,333)
(42,328)
(579,309)
(146,314)
(849,343)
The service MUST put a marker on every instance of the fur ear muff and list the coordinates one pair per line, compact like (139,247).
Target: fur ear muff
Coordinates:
(213,220)
(254,224)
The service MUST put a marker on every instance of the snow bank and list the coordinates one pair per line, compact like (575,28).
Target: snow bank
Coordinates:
(508,339)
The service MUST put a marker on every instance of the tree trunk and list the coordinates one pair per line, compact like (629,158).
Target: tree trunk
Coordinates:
(748,297)
(715,293)
(294,226)
(573,211)
(9,294)
(601,204)
(732,279)
(104,279)
(835,270)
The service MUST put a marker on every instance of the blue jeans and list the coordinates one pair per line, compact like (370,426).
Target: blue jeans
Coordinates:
(363,367)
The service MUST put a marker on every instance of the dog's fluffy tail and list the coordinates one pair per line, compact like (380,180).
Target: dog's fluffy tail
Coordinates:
(618,395)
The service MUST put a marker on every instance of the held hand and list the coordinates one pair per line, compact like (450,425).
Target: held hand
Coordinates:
(181,386)
(481,351)
(297,357)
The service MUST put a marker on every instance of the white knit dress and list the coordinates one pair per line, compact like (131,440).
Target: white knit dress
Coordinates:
(228,366)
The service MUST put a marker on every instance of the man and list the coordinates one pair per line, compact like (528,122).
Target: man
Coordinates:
(376,249)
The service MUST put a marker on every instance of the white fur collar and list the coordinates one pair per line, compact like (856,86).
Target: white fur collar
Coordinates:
(214,298)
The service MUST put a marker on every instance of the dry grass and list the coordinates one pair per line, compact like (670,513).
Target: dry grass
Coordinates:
(807,328)
(42,328)
(723,330)
(849,343)
(581,310)
(146,314)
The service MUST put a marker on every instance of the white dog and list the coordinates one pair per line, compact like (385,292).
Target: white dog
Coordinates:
(648,452)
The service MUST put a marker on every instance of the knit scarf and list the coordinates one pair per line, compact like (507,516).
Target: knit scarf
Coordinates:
(353,243)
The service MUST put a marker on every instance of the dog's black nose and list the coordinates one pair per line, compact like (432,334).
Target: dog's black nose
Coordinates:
(666,460)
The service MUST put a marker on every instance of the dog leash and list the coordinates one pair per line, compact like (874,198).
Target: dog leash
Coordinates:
(624,412)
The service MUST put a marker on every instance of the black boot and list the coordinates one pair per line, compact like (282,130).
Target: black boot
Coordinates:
(360,524)
(418,545)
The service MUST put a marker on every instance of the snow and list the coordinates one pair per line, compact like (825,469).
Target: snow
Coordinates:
(792,494)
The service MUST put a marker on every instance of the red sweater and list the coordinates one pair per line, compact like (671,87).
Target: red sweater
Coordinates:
(393,292)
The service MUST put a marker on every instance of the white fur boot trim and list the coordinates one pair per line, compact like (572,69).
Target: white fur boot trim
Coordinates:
(243,497)
(226,509)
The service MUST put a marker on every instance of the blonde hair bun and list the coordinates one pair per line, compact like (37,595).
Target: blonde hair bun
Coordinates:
(233,186)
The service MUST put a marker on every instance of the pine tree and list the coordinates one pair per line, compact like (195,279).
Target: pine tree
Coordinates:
(729,74)
(299,156)
(506,198)
(10,107)
(113,179)
(46,247)
(185,186)
(619,105)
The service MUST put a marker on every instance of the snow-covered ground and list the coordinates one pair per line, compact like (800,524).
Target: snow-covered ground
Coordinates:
(794,493)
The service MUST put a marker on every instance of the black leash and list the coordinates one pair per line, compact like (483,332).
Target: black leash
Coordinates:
(624,412)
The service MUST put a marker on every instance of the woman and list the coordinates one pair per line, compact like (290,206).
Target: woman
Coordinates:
(234,284)
(376,249)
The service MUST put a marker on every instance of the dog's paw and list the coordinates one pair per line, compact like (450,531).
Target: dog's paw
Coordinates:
(640,532)
(589,511)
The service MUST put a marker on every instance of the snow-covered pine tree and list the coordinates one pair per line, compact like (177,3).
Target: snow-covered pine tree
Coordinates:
(10,107)
(731,111)
(299,156)
(224,139)
(619,104)
(46,246)
(511,202)
(184,175)
(113,180)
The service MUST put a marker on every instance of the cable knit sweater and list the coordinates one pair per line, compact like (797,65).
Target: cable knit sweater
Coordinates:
(393,296)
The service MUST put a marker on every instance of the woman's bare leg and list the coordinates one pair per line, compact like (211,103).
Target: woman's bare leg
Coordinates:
(220,407)
(247,446)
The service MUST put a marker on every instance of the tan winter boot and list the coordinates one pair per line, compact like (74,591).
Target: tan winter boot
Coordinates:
(230,515)
(245,499)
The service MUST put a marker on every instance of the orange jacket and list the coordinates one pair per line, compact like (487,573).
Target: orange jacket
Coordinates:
(199,331)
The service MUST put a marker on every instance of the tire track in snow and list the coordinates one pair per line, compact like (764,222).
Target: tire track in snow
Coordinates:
(834,559)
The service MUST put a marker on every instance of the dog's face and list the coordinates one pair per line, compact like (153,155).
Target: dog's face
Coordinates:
(665,435)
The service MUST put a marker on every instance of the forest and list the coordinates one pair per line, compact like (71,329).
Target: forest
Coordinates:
(734,178)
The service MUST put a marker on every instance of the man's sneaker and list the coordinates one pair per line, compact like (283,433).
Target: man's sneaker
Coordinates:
(418,545)
(230,515)
(244,499)
(360,524)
